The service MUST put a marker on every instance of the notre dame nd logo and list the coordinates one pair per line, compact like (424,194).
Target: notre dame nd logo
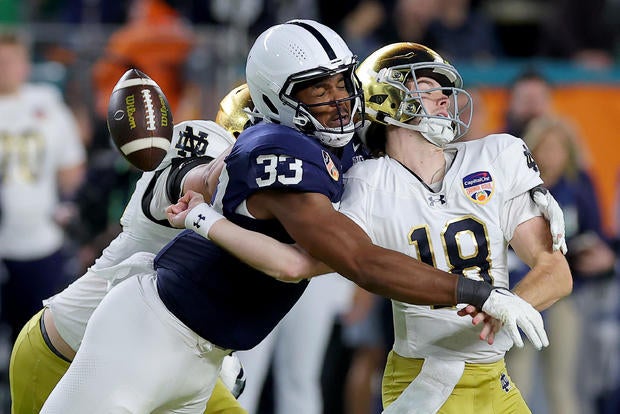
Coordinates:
(503,379)
(529,159)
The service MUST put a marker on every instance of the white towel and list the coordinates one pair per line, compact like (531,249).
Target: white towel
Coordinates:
(430,389)
(141,262)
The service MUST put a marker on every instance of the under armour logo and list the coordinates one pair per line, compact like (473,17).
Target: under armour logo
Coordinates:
(503,379)
(197,222)
(436,199)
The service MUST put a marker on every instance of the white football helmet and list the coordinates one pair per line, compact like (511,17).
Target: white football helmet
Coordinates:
(387,75)
(300,51)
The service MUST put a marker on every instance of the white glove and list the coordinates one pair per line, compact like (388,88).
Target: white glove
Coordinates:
(516,313)
(551,210)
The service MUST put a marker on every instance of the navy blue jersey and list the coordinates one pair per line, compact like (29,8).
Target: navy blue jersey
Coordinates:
(213,293)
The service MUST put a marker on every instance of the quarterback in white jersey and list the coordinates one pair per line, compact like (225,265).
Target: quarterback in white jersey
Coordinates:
(47,344)
(456,206)
(463,226)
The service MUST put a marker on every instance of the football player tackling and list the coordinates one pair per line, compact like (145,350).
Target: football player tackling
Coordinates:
(282,178)
(455,206)
(47,344)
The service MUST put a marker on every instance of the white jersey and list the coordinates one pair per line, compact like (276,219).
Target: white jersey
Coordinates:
(38,137)
(73,306)
(463,228)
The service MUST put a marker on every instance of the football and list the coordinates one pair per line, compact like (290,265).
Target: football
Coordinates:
(140,120)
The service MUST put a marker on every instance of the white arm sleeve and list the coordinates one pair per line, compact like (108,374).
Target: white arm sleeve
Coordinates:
(516,211)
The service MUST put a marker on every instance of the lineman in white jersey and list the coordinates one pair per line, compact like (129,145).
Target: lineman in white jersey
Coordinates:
(47,344)
(455,206)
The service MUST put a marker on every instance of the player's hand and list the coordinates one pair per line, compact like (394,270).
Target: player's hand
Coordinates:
(491,325)
(551,210)
(176,213)
(515,313)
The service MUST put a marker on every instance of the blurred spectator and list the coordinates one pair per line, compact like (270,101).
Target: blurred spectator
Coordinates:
(529,96)
(461,33)
(109,183)
(41,163)
(367,331)
(579,30)
(579,364)
(410,21)
(157,41)
(517,24)
(362,23)
(79,11)
(297,347)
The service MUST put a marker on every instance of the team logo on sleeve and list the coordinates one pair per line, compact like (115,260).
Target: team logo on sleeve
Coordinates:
(529,159)
(331,167)
(479,186)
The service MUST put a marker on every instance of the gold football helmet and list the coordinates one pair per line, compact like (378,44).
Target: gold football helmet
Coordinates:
(235,110)
(390,80)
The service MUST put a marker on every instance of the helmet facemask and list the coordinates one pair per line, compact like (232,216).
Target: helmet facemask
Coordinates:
(412,114)
(303,117)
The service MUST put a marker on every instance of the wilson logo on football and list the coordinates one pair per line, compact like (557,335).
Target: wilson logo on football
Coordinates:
(479,186)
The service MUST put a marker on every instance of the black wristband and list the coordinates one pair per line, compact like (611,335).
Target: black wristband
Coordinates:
(472,292)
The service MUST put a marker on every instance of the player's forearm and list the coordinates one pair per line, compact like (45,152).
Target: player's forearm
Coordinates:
(548,281)
(279,260)
(394,275)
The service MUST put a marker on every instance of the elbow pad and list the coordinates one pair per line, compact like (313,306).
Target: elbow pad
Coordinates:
(178,170)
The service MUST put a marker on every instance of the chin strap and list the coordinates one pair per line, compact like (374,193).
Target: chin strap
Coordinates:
(436,131)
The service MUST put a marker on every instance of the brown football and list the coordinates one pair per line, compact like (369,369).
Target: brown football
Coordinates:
(140,120)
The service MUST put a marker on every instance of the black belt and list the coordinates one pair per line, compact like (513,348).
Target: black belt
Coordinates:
(48,342)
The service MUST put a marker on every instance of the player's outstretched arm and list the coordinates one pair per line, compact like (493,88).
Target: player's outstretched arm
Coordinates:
(336,240)
(285,262)
(549,278)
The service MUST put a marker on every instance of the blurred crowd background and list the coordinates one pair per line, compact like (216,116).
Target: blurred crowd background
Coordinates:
(547,71)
